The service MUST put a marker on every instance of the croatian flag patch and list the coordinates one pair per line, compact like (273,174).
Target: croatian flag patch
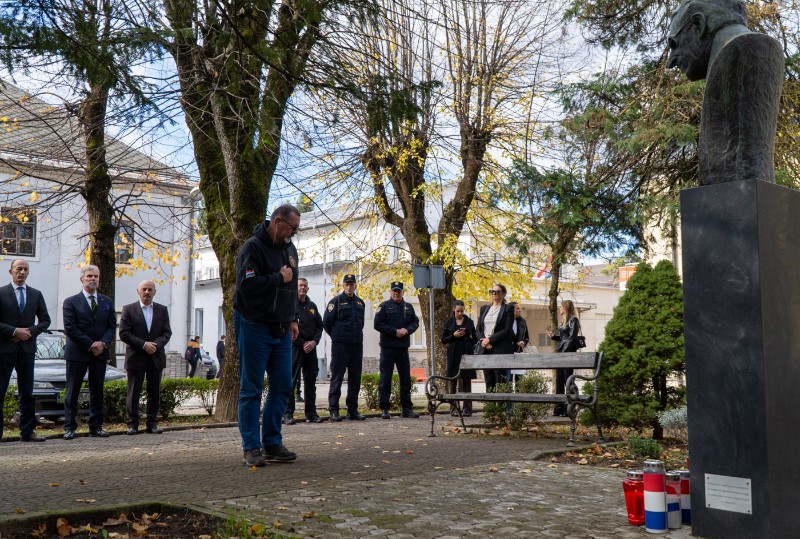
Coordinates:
(249,273)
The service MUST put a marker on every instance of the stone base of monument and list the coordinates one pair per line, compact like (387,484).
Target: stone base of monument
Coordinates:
(741,267)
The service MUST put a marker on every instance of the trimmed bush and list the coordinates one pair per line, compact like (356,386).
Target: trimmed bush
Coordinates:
(114,394)
(517,415)
(370,390)
(10,404)
(206,391)
(173,393)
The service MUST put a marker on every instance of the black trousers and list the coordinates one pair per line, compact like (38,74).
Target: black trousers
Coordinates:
(391,357)
(560,383)
(23,363)
(345,357)
(76,370)
(136,380)
(308,365)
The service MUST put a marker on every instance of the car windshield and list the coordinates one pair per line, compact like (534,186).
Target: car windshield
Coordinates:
(50,346)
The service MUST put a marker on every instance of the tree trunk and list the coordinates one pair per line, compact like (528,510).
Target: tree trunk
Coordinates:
(97,193)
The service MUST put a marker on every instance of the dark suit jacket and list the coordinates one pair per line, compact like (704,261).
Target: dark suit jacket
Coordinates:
(503,337)
(11,318)
(83,329)
(133,332)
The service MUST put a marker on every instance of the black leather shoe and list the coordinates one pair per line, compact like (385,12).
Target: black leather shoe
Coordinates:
(33,437)
(153,429)
(299,399)
(335,417)
(69,434)
(314,419)
(132,430)
(407,412)
(355,416)
(99,433)
(385,414)
(288,420)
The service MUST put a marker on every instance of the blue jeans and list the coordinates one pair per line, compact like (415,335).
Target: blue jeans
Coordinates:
(260,352)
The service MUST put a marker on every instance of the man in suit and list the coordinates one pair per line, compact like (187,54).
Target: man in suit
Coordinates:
(144,328)
(220,355)
(89,322)
(20,304)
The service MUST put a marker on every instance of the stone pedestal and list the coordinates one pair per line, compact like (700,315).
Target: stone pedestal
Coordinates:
(741,267)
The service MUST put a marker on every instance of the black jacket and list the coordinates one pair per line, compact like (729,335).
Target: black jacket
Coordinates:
(344,318)
(310,322)
(261,295)
(502,338)
(521,334)
(566,336)
(458,346)
(392,316)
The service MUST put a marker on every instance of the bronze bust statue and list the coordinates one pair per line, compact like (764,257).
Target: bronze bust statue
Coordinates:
(744,73)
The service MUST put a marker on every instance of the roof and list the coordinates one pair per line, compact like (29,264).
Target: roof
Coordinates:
(41,137)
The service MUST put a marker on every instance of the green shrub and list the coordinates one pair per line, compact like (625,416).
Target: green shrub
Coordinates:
(370,390)
(519,414)
(10,404)
(646,448)
(206,391)
(114,394)
(173,393)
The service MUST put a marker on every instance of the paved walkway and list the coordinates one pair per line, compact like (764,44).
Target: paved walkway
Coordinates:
(352,479)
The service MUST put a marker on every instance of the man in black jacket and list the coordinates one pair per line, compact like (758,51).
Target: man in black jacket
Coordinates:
(395,320)
(304,354)
(265,315)
(344,322)
(23,316)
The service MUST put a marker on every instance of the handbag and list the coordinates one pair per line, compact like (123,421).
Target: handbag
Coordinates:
(479,350)
(580,342)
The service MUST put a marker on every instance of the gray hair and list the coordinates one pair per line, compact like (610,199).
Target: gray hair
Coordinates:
(89,267)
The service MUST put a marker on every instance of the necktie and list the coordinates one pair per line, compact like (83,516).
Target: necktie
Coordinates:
(21,298)
(94,306)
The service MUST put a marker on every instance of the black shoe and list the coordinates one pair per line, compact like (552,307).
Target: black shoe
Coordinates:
(288,420)
(355,416)
(466,413)
(99,433)
(153,429)
(32,437)
(299,399)
(385,414)
(335,417)
(132,430)
(314,419)
(408,412)
(277,453)
(253,457)
(69,434)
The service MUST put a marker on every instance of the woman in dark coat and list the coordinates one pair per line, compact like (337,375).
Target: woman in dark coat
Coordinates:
(495,333)
(459,336)
(569,328)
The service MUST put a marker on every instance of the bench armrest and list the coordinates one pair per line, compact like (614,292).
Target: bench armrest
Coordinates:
(432,388)
(573,393)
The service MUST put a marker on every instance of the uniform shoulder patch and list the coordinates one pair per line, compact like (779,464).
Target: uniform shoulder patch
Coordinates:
(249,272)
(330,307)
(379,308)
(312,311)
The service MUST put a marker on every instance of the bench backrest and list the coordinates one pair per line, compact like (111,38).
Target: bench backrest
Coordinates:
(551,360)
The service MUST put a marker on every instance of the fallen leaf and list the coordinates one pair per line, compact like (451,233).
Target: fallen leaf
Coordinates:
(303,482)
(87,528)
(438,467)
(20,511)
(63,527)
(614,466)
(282,508)
(387,461)
(277,524)
(82,481)
(367,466)
(123,519)
(526,470)
(552,465)
(493,469)
(40,531)
(54,485)
(310,514)
(320,499)
(253,468)
(409,452)
(340,436)
(376,447)
(256,529)
(583,461)
(418,440)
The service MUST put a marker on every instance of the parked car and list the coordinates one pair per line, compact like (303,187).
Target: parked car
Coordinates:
(50,376)
(210,363)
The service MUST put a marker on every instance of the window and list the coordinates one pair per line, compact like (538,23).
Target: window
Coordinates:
(19,231)
(123,242)
(418,339)
(220,323)
(198,323)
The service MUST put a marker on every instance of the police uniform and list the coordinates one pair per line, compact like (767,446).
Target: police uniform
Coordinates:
(310,329)
(389,317)
(344,322)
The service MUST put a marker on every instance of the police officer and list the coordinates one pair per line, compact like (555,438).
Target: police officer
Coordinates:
(344,322)
(395,320)
(304,354)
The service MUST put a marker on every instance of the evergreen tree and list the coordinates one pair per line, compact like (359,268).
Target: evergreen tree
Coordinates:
(643,350)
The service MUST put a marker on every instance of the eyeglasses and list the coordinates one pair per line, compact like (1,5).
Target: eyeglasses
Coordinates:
(294,228)
(493,292)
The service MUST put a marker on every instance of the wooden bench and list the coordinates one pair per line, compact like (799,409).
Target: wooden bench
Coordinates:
(572,396)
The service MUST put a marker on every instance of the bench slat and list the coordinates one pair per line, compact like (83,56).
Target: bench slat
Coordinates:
(505,397)
(568,360)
